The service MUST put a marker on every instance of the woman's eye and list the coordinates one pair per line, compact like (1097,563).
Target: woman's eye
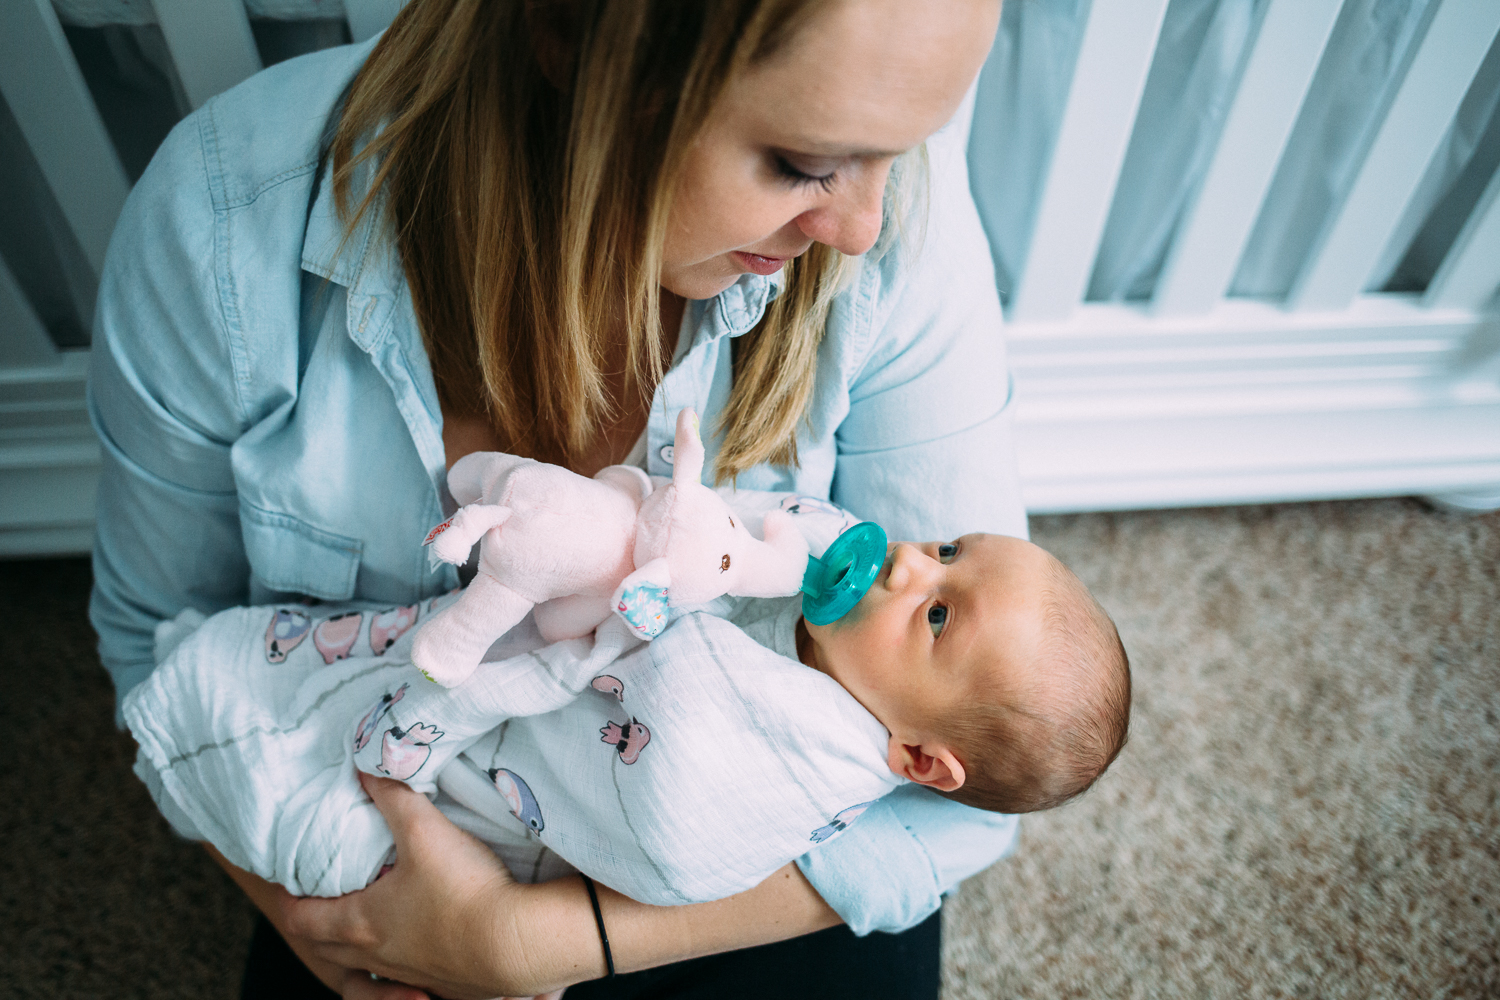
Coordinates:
(799,178)
(947,551)
(937,617)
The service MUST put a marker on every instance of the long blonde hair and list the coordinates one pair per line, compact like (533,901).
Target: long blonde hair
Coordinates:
(526,214)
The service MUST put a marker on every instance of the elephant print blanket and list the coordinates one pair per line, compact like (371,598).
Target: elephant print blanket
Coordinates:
(684,769)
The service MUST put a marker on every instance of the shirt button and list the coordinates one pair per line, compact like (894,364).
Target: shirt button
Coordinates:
(667,453)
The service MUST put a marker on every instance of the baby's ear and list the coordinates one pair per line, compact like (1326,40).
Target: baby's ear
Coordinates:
(930,764)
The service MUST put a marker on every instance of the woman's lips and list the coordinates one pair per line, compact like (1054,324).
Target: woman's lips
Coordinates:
(757,264)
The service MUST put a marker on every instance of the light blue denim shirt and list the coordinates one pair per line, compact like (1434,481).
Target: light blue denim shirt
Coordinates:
(270,434)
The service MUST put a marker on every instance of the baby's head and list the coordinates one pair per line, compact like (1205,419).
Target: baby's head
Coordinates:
(1001,680)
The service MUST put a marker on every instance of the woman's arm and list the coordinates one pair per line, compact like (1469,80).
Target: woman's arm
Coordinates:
(449,917)
(163,397)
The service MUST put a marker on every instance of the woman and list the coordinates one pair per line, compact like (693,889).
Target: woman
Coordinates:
(543,228)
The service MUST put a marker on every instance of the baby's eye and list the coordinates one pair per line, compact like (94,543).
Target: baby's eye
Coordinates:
(937,617)
(947,551)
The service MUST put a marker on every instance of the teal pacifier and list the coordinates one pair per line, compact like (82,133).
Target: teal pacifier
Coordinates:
(835,583)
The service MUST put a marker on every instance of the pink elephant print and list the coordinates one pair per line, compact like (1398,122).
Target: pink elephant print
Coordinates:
(606,684)
(288,628)
(389,625)
(629,739)
(371,720)
(335,637)
(403,752)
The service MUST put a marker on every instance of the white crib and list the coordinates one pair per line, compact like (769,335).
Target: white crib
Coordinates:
(1172,387)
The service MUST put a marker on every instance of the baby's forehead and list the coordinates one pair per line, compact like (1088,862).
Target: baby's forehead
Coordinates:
(999,561)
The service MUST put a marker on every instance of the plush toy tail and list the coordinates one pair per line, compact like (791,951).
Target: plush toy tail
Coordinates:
(450,645)
(452,540)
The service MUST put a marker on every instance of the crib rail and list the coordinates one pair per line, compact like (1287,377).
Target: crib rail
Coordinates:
(1195,396)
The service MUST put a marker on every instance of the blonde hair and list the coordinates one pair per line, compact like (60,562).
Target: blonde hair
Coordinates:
(528,215)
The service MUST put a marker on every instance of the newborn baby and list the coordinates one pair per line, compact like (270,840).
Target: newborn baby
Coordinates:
(981,668)
(999,677)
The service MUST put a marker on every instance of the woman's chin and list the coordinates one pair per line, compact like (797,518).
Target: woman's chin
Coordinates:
(705,280)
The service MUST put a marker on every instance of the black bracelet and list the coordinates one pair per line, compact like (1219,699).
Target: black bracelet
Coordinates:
(609,960)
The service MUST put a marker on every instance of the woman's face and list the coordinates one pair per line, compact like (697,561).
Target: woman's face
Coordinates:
(800,146)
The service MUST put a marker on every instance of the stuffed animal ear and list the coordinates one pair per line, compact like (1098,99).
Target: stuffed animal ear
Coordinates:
(687,450)
(474,476)
(642,598)
(629,480)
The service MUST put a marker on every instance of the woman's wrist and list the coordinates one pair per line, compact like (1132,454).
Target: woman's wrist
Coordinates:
(546,937)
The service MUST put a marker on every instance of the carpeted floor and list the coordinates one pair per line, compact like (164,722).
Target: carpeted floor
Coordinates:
(1309,804)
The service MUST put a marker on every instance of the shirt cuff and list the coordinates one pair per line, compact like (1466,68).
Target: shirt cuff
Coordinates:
(890,869)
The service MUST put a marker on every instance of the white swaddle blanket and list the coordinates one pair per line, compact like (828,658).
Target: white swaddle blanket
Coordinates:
(682,770)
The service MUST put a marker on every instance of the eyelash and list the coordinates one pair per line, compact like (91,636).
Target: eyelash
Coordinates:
(941,622)
(800,178)
(946,553)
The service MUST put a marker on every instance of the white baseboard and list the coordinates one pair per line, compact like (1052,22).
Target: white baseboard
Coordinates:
(49,460)
(1117,409)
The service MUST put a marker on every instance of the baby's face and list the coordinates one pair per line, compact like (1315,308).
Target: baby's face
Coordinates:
(940,619)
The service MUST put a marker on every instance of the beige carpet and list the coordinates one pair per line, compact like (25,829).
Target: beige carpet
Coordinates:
(1309,805)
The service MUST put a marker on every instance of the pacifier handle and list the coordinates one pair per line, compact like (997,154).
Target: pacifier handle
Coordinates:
(833,585)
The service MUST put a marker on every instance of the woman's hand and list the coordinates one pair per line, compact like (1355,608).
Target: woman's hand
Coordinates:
(447,918)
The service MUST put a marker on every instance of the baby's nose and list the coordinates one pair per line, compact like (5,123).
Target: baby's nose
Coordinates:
(908,566)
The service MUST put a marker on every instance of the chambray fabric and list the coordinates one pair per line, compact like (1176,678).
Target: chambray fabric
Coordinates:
(270,427)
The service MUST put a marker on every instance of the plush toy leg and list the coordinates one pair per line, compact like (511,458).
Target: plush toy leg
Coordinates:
(571,617)
(451,644)
(643,599)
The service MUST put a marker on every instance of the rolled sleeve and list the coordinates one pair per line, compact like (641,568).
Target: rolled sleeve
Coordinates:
(891,868)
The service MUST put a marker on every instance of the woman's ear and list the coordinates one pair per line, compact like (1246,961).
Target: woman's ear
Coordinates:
(553,25)
(930,764)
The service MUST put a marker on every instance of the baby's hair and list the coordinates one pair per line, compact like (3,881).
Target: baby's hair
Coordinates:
(1033,750)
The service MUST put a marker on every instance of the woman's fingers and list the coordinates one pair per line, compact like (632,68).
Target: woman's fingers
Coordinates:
(403,809)
(434,919)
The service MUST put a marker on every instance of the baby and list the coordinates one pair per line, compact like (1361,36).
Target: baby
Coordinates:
(1000,679)
(980,668)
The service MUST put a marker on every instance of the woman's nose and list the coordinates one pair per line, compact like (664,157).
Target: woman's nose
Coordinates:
(850,220)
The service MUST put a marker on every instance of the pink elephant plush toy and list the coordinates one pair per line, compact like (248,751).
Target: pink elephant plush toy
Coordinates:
(577,549)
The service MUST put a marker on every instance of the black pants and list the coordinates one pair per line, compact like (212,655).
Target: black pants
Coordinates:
(829,965)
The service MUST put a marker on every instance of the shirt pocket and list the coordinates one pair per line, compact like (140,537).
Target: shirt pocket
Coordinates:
(287,554)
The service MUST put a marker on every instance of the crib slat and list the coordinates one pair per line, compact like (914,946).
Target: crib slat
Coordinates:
(367,18)
(1470,274)
(210,42)
(23,339)
(1444,66)
(1113,60)
(1203,258)
(45,90)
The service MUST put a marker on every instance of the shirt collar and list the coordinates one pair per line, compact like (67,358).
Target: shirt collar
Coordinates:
(742,304)
(368,265)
